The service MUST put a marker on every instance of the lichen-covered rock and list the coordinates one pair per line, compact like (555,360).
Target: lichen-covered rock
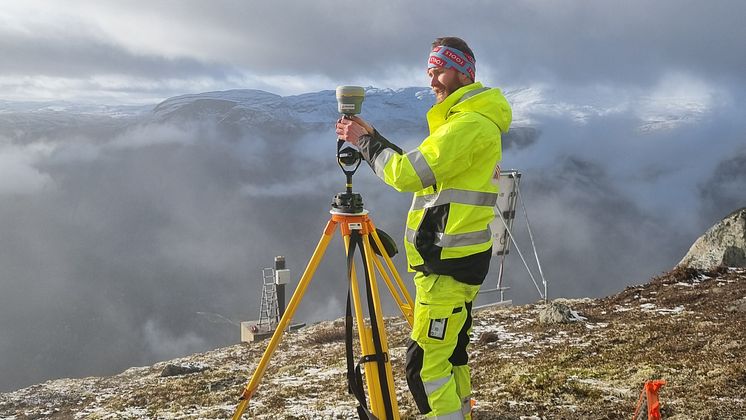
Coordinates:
(176,370)
(555,313)
(722,244)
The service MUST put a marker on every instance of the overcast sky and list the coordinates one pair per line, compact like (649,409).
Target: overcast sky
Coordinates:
(144,51)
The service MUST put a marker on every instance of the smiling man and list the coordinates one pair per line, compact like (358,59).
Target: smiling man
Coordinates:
(452,174)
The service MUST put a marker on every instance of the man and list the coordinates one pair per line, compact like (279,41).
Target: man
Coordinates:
(448,242)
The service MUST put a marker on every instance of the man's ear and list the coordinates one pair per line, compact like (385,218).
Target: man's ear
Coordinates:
(464,79)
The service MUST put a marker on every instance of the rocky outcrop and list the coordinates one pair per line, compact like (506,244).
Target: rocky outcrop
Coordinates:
(723,244)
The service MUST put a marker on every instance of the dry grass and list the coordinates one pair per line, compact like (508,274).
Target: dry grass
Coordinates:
(327,335)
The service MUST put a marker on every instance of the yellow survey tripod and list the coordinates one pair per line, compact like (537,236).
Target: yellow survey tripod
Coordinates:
(358,232)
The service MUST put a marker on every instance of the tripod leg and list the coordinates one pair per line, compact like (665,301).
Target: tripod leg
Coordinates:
(318,254)
(387,390)
(399,293)
(366,340)
(378,375)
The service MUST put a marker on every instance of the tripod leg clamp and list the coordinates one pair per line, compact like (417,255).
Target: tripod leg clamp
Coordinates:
(384,357)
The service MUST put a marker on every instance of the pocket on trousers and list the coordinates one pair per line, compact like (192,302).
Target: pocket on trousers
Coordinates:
(425,282)
(435,324)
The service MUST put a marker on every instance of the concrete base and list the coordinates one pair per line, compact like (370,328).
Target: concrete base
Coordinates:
(250,331)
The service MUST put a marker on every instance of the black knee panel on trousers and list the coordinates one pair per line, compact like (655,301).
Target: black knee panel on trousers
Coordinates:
(414,367)
(460,357)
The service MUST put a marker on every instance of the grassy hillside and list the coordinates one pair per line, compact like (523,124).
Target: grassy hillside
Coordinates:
(686,327)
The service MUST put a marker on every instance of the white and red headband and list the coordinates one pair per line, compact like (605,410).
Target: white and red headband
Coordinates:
(448,57)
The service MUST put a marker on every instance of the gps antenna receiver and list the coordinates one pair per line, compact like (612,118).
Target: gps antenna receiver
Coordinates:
(350,99)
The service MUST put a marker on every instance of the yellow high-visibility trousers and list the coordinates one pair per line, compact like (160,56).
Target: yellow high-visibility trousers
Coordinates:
(437,371)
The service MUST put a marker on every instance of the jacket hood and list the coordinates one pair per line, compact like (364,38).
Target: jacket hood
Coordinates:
(489,102)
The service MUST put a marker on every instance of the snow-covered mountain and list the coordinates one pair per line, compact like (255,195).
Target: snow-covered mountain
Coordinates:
(393,110)
(27,122)
(73,108)
(397,109)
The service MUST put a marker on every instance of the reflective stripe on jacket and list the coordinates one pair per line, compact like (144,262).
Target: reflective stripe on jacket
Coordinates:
(451,175)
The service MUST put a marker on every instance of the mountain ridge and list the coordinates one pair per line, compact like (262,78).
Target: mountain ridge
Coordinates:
(239,110)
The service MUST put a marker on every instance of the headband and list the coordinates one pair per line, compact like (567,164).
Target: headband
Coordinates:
(449,57)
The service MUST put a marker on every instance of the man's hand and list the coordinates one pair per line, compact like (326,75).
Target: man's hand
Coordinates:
(350,129)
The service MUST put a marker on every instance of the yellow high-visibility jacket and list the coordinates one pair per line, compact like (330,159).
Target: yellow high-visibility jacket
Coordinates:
(453,177)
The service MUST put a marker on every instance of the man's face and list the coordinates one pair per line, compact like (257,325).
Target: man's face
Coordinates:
(445,81)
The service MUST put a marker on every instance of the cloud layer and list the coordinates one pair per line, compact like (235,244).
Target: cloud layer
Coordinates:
(163,48)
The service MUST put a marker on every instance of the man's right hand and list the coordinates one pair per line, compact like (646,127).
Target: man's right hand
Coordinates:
(350,129)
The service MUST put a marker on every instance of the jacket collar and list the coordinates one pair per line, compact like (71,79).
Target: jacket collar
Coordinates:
(438,114)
